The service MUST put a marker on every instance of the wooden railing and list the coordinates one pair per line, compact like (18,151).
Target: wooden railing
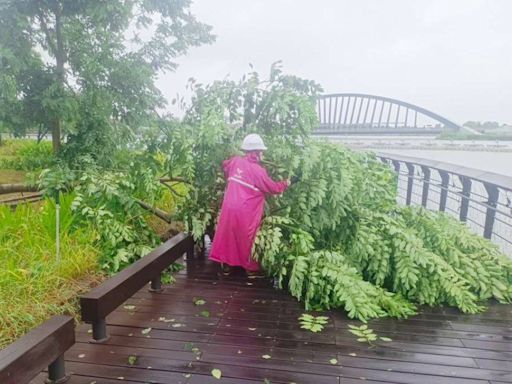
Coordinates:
(45,346)
(481,199)
(42,347)
(102,300)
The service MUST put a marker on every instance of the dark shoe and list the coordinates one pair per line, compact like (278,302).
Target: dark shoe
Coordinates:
(255,275)
(226,269)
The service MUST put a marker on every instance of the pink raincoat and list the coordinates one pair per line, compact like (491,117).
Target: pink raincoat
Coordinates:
(242,210)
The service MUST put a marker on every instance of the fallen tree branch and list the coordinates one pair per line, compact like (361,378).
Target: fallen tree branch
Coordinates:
(161,214)
(175,179)
(172,189)
(17,187)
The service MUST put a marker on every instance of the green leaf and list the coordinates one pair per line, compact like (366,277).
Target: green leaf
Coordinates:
(199,301)
(217,373)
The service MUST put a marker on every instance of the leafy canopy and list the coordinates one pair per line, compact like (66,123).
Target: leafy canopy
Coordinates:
(88,68)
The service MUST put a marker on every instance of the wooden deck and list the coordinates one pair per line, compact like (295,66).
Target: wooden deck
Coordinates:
(248,319)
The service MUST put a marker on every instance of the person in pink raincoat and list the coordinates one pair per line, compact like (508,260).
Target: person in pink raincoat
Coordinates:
(242,208)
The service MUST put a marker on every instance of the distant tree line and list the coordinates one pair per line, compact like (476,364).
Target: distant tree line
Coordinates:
(486,125)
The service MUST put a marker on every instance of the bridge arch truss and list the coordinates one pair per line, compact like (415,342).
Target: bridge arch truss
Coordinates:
(357,113)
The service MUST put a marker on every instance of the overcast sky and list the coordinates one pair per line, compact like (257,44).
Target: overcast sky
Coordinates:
(453,57)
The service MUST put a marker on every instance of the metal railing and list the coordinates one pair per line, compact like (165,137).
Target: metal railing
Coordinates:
(481,199)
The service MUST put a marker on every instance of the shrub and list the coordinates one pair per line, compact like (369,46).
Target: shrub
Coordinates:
(26,155)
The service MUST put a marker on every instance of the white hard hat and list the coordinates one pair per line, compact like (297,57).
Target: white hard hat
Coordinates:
(253,142)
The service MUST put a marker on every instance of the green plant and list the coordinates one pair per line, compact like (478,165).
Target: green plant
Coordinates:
(132,359)
(167,275)
(35,156)
(26,155)
(365,334)
(33,284)
(198,301)
(313,323)
(112,92)
(336,238)
(108,200)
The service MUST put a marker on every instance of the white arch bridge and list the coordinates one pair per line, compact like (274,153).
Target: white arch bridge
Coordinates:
(357,113)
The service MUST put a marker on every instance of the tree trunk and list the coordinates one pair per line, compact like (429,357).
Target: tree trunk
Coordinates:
(60,60)
(56,135)
(14,188)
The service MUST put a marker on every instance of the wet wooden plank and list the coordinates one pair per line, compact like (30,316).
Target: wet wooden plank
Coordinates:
(249,319)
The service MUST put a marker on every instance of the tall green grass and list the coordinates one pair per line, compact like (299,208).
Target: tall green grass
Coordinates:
(33,284)
(26,154)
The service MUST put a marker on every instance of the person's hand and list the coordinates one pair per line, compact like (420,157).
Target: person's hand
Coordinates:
(288,182)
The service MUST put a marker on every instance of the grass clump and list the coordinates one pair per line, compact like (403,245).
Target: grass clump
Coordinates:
(26,154)
(33,284)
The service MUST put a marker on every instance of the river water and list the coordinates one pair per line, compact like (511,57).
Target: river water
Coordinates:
(491,156)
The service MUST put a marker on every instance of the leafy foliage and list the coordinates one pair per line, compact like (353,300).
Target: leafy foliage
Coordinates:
(108,200)
(88,68)
(365,334)
(313,323)
(337,238)
(26,155)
